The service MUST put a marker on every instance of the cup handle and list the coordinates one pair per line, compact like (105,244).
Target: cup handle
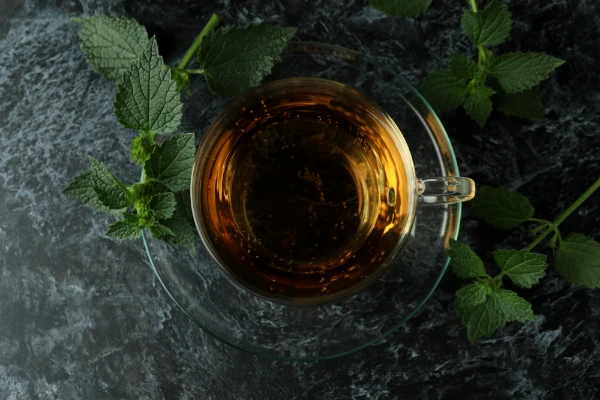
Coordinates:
(445,190)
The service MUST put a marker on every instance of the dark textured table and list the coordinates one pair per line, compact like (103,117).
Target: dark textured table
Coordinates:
(83,317)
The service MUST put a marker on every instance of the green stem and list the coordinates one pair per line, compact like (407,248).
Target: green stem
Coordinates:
(565,214)
(473,4)
(211,25)
(195,71)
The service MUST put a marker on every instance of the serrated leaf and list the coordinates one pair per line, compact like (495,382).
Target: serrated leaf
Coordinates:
(483,318)
(517,72)
(478,104)
(527,104)
(472,295)
(163,205)
(184,206)
(444,91)
(578,260)
(501,208)
(147,99)
(401,9)
(128,228)
(465,263)
(521,266)
(489,27)
(82,188)
(463,67)
(161,232)
(111,192)
(171,163)
(111,43)
(184,234)
(513,306)
(236,59)
(141,147)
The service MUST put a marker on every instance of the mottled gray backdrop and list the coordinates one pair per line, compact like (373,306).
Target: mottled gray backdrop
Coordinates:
(82,316)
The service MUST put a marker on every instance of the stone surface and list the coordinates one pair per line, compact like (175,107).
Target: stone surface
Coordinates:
(82,316)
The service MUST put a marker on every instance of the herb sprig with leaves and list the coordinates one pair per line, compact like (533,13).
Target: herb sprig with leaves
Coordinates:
(509,81)
(148,101)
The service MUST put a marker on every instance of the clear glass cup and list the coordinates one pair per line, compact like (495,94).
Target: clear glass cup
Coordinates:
(259,326)
(390,200)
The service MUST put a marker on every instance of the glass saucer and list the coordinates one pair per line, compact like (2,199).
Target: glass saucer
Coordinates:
(282,331)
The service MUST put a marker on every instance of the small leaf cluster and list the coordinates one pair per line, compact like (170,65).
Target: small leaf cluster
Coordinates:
(484,305)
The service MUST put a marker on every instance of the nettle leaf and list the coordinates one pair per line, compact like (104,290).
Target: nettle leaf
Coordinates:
(501,208)
(82,188)
(111,192)
(163,205)
(236,59)
(402,9)
(463,67)
(465,263)
(489,27)
(527,104)
(517,72)
(578,260)
(478,104)
(171,163)
(484,311)
(184,234)
(444,91)
(161,232)
(111,43)
(148,99)
(521,266)
(128,228)
(472,295)
(184,206)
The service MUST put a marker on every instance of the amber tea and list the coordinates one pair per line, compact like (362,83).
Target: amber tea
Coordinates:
(302,190)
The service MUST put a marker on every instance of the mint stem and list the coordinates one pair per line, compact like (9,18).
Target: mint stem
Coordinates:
(210,26)
(564,215)
(473,4)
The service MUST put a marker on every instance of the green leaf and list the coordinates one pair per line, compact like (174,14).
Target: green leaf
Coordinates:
(521,71)
(402,9)
(578,260)
(148,99)
(163,205)
(444,91)
(111,192)
(478,104)
(161,232)
(472,295)
(171,162)
(184,234)
(527,104)
(184,206)
(236,59)
(521,266)
(82,188)
(465,263)
(142,146)
(111,43)
(484,317)
(463,67)
(127,228)
(501,208)
(489,27)
(513,306)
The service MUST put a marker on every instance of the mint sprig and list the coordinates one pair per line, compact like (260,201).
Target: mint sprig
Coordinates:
(484,306)
(148,101)
(507,82)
